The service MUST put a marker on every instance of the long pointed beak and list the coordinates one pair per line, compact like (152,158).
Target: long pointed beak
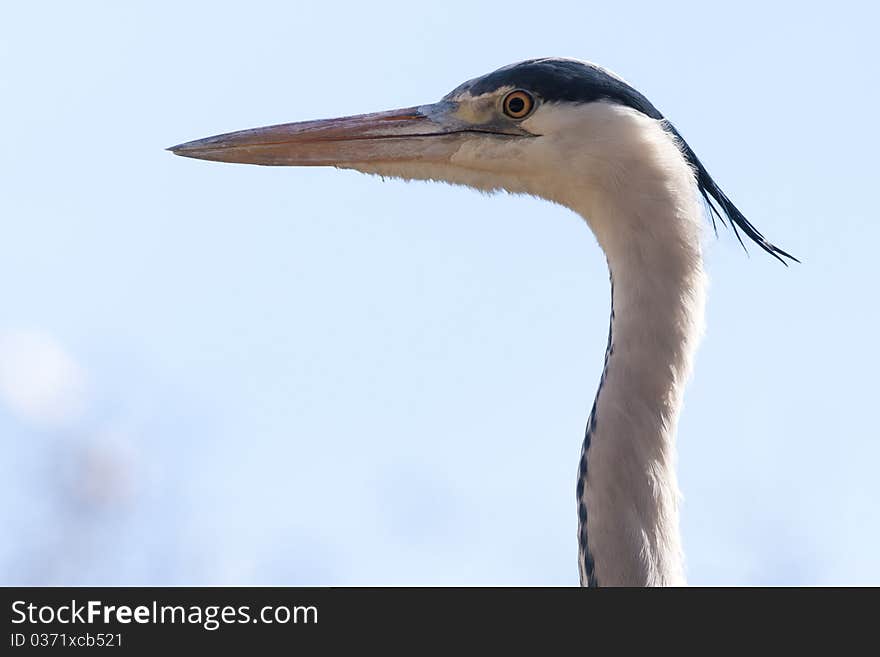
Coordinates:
(424,133)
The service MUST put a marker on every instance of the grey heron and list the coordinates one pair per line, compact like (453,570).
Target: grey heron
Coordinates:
(575,134)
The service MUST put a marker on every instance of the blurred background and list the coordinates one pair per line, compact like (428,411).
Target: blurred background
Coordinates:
(218,374)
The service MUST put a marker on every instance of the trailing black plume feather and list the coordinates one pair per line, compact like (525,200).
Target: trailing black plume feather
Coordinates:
(714,194)
(568,80)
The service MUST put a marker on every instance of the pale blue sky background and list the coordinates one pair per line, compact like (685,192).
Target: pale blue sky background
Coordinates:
(226,374)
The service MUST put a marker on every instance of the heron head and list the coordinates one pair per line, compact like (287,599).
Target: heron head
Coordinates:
(496,131)
(548,127)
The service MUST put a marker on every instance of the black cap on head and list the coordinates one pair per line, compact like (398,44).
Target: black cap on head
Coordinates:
(561,80)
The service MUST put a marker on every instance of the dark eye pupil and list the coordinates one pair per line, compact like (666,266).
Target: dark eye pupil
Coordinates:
(516,105)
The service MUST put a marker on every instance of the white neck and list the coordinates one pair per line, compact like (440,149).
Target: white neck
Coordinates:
(629,492)
(644,210)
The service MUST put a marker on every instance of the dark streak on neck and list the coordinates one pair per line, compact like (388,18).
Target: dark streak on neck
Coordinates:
(587,567)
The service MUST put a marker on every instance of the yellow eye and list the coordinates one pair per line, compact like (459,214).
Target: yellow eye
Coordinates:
(517,104)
